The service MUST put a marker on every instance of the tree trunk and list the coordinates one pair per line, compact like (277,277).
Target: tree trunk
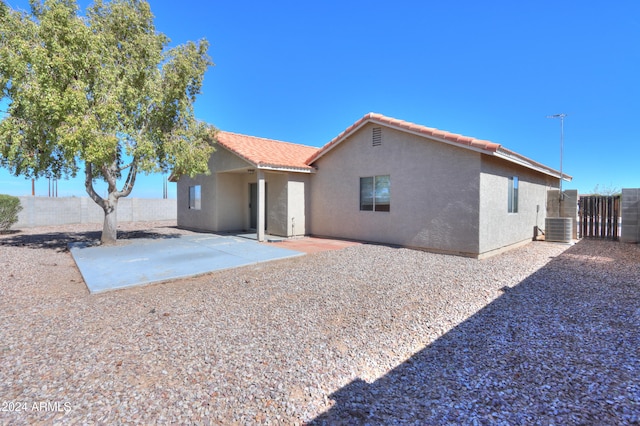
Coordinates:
(110,227)
(110,204)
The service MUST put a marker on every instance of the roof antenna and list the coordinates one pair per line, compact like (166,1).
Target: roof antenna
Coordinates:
(561,116)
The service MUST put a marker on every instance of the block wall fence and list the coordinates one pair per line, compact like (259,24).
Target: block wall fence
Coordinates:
(630,215)
(46,211)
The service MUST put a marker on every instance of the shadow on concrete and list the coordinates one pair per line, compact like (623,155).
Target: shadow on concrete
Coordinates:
(561,347)
(60,241)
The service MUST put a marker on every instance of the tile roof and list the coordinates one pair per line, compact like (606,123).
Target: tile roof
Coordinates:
(408,126)
(483,146)
(267,153)
(273,154)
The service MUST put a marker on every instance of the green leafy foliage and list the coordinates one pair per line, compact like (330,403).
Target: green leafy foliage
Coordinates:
(9,209)
(100,92)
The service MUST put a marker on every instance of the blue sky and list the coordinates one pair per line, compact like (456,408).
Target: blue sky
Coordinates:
(304,71)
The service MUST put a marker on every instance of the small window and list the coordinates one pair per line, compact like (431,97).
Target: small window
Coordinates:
(194,197)
(376,137)
(375,193)
(513,194)
(366,194)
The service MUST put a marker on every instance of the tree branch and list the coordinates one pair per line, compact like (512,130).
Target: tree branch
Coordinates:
(88,184)
(126,167)
(110,174)
(131,179)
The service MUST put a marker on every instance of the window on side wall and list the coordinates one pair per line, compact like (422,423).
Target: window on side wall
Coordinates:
(375,193)
(194,197)
(513,194)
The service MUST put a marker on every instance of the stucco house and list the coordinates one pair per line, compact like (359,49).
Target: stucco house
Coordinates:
(381,180)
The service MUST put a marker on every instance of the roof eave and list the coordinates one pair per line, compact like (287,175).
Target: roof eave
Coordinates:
(471,147)
(370,118)
(338,139)
(521,160)
(266,166)
(280,168)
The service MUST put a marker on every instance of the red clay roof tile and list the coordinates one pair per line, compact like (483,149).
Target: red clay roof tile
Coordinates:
(271,153)
(267,152)
(483,145)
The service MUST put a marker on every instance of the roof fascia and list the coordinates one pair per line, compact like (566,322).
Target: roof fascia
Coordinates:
(435,138)
(500,152)
(521,160)
(351,130)
(274,168)
(358,126)
(271,167)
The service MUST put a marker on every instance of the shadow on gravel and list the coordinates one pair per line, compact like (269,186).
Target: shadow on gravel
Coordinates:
(59,241)
(560,347)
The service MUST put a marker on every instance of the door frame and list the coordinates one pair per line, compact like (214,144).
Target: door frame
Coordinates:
(253,205)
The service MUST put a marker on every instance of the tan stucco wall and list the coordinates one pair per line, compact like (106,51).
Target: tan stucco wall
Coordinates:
(221,195)
(298,200)
(231,198)
(286,195)
(499,228)
(434,192)
(443,197)
(196,219)
(277,200)
(224,160)
(225,198)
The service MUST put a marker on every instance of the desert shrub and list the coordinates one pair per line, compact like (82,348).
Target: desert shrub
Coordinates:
(9,209)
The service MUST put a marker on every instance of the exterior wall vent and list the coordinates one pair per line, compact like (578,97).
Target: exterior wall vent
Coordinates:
(377,136)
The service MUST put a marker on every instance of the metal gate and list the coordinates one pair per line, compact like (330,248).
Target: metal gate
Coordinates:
(599,216)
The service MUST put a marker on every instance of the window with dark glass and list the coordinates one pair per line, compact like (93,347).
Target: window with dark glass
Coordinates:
(513,194)
(375,193)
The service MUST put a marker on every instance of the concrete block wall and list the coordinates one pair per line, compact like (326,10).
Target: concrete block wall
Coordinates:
(45,211)
(630,216)
(553,203)
(568,207)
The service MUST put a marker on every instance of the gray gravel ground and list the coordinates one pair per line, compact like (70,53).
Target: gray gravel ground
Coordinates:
(543,334)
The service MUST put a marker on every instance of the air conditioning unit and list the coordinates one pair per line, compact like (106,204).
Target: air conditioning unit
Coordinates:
(558,229)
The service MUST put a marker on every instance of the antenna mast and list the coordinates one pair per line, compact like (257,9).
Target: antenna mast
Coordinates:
(561,117)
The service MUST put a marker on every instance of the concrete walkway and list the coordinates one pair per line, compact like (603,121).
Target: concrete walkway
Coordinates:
(143,261)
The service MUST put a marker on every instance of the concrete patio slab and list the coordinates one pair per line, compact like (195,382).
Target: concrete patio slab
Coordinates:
(144,261)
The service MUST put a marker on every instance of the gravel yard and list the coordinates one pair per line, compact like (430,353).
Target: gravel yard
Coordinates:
(369,334)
